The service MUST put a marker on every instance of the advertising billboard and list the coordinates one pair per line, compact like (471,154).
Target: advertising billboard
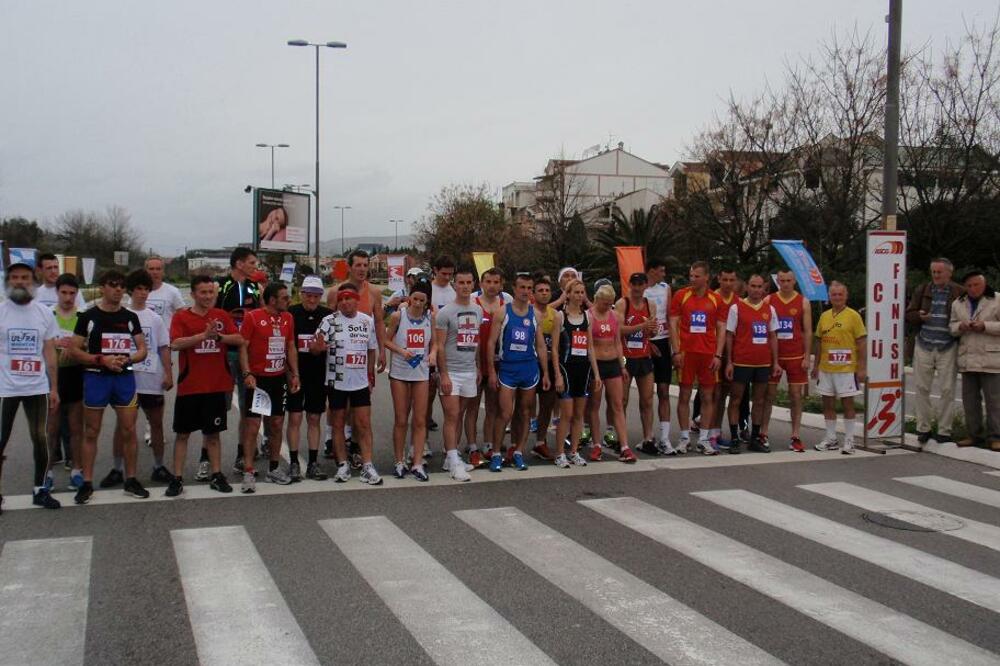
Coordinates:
(886,303)
(281,221)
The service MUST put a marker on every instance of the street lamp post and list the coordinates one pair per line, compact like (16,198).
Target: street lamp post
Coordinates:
(272,146)
(396,223)
(332,45)
(342,209)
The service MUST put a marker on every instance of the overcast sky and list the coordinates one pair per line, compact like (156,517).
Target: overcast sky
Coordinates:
(156,106)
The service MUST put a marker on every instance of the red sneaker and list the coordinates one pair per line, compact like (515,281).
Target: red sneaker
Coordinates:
(542,451)
(626,456)
(476,459)
(797,445)
(595,453)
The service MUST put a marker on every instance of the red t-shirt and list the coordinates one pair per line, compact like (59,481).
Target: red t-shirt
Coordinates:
(698,317)
(267,337)
(751,339)
(636,344)
(791,333)
(204,368)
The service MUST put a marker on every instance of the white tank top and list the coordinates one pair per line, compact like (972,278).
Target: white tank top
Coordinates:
(414,336)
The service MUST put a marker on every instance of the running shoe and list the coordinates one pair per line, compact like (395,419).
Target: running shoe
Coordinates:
(459,473)
(578,460)
(848,447)
(220,483)
(665,448)
(175,487)
(446,465)
(278,476)
(595,453)
(134,488)
(295,472)
(343,474)
(826,444)
(328,449)
(533,425)
(706,447)
(562,461)
(476,459)
(76,479)
(419,474)
(542,451)
(238,466)
(724,444)
(797,445)
(683,444)
(43,498)
(585,436)
(496,462)
(84,494)
(315,472)
(113,478)
(517,460)
(50,480)
(161,475)
(249,485)
(432,425)
(735,446)
(369,475)
(759,445)
(626,455)
(205,470)
(611,439)
(399,470)
(649,448)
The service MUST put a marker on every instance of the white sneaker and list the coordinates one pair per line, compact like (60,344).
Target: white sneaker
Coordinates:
(278,476)
(578,460)
(707,447)
(446,466)
(562,461)
(370,475)
(848,447)
(665,449)
(682,444)
(827,444)
(204,471)
(249,485)
(460,473)
(343,473)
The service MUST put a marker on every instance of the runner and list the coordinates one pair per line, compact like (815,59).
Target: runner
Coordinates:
(102,341)
(348,337)
(729,294)
(698,330)
(311,398)
(270,366)
(28,372)
(155,374)
(237,294)
(638,324)
(577,369)
(841,368)
(490,298)
(752,353)
(47,292)
(545,315)
(795,336)
(658,293)
(69,416)
(459,326)
(164,299)
(411,339)
(442,293)
(200,334)
(398,297)
(606,325)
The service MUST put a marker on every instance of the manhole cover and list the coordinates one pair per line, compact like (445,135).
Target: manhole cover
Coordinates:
(914,521)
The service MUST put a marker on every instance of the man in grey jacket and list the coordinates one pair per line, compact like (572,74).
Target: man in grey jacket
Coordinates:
(975,321)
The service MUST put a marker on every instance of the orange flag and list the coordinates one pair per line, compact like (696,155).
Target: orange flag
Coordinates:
(630,260)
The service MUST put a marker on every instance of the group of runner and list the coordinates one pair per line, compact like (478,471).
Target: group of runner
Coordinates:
(545,353)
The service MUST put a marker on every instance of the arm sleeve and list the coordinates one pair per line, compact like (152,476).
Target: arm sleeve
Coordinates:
(51,328)
(774,320)
(441,320)
(860,325)
(731,320)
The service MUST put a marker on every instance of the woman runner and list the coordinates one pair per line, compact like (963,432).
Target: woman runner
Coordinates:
(578,367)
(606,325)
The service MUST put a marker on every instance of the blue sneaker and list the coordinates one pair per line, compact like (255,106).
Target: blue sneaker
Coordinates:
(49,482)
(419,474)
(519,461)
(76,480)
(533,427)
(496,462)
(723,444)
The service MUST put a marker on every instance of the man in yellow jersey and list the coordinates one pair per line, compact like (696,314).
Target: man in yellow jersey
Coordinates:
(841,365)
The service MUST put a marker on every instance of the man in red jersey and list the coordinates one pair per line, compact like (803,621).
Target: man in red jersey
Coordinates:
(795,333)
(752,353)
(201,334)
(696,325)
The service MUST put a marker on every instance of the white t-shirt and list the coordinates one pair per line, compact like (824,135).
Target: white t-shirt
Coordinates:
(165,301)
(733,319)
(24,329)
(659,295)
(149,373)
(49,296)
(350,340)
(442,296)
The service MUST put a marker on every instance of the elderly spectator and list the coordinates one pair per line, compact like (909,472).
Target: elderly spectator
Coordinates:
(935,350)
(975,320)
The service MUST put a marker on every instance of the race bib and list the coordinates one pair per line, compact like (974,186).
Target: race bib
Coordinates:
(759,336)
(116,343)
(519,339)
(356,360)
(26,367)
(276,345)
(839,356)
(786,330)
(147,363)
(156,306)
(635,340)
(604,328)
(578,343)
(208,347)
(304,342)
(467,338)
(416,338)
(699,322)
(274,365)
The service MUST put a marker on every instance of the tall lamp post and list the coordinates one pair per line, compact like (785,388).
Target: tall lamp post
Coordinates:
(342,209)
(272,146)
(317,47)
(396,223)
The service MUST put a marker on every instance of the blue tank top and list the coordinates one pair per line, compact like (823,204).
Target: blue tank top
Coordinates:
(517,340)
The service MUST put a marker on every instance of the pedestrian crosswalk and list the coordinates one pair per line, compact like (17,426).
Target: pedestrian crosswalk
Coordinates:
(237,609)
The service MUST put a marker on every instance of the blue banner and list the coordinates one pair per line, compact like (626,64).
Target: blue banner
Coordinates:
(811,283)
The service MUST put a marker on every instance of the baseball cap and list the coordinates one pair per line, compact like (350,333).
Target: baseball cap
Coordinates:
(312,285)
(637,278)
(415,271)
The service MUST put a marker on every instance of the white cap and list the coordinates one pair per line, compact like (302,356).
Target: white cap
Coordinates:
(414,271)
(312,285)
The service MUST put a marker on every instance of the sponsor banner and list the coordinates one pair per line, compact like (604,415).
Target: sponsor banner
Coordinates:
(807,274)
(396,267)
(287,272)
(340,270)
(281,221)
(23,255)
(484,261)
(630,260)
(885,305)
(72,266)
(89,264)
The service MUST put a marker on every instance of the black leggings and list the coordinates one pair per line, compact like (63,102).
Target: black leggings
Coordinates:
(36,409)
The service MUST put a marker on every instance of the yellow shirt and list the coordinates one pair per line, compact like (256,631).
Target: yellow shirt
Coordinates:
(838,334)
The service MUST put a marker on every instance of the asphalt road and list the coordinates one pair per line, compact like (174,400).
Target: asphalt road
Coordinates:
(513,568)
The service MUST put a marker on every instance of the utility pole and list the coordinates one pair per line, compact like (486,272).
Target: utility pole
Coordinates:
(890,163)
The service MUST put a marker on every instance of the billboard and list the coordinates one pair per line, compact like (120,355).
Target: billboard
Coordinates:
(281,221)
(885,300)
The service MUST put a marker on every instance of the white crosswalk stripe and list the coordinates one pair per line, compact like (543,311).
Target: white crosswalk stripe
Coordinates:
(911,512)
(44,590)
(448,619)
(968,491)
(667,628)
(892,633)
(936,572)
(238,615)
